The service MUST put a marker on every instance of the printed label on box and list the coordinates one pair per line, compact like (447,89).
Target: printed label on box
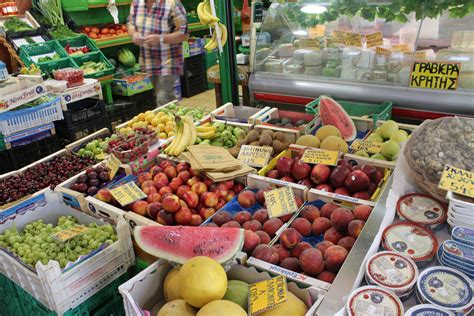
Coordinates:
(280,202)
(267,294)
(435,75)
(325,157)
(367,146)
(21,97)
(457,180)
(255,156)
(81,93)
(128,193)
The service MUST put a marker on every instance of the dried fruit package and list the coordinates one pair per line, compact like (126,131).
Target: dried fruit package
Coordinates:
(73,76)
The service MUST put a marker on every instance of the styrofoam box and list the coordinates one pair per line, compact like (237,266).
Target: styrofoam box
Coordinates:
(49,285)
(228,111)
(143,294)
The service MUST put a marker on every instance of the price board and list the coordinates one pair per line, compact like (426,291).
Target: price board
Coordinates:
(113,165)
(128,193)
(325,157)
(457,180)
(280,202)
(66,234)
(367,146)
(339,37)
(255,156)
(404,48)
(267,294)
(435,75)
(353,39)
(374,39)
(317,31)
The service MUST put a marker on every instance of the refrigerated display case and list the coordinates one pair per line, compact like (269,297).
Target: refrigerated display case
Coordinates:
(316,50)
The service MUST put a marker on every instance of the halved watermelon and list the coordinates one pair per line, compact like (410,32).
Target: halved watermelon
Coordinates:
(181,243)
(332,113)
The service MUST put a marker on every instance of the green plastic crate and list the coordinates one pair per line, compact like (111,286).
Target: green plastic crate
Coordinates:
(49,67)
(80,41)
(30,53)
(377,112)
(84,5)
(95,57)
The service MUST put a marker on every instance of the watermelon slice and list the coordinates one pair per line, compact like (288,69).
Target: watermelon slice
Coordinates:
(181,243)
(332,113)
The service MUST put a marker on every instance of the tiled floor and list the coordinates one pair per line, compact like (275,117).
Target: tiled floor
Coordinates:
(206,100)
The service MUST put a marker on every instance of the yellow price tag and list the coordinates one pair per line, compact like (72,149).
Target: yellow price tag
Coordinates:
(267,294)
(280,202)
(353,39)
(404,48)
(113,164)
(255,156)
(457,180)
(325,157)
(374,39)
(383,51)
(67,234)
(367,146)
(312,43)
(317,31)
(127,193)
(339,37)
(435,75)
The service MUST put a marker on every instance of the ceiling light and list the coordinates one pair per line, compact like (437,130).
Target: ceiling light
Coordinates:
(313,9)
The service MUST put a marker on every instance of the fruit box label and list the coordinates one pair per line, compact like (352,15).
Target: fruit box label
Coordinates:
(325,157)
(127,193)
(435,75)
(267,294)
(367,146)
(457,180)
(13,100)
(66,234)
(81,93)
(280,202)
(113,164)
(255,156)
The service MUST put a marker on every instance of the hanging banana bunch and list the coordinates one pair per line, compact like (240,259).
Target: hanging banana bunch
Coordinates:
(205,13)
(207,18)
(213,43)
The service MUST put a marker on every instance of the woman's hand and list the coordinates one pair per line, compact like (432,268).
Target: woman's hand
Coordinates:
(152,40)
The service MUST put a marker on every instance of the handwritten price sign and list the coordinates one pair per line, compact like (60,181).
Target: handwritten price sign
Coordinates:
(255,156)
(458,181)
(367,146)
(325,157)
(128,193)
(267,294)
(66,234)
(280,202)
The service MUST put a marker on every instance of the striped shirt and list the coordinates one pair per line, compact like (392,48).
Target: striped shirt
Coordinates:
(165,17)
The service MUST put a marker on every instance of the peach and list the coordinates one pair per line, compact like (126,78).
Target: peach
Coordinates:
(161,177)
(263,252)
(152,210)
(238,187)
(242,217)
(171,203)
(327,209)
(149,190)
(286,218)
(191,198)
(196,220)
(221,218)
(160,184)
(310,212)
(246,199)
(264,237)
(321,225)
(272,226)
(333,235)
(142,177)
(282,252)
(261,215)
(274,174)
(175,184)
(199,188)
(210,225)
(220,204)
(260,195)
(252,225)
(183,204)
(165,218)
(155,170)
(326,276)
(104,196)
(170,171)
(207,212)
(221,191)
(233,224)
(302,225)
(165,190)
(140,207)
(362,212)
(312,262)
(292,264)
(193,173)
(355,227)
(181,190)
(347,242)
(229,184)
(251,240)
(154,197)
(324,245)
(290,237)
(147,183)
(274,257)
(230,196)
(182,166)
(335,257)
(298,250)
(341,217)
(209,199)
(183,216)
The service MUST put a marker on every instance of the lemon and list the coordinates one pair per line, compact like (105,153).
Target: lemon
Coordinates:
(160,114)
(161,127)
(123,130)
(155,121)
(149,117)
(169,128)
(163,135)
(171,286)
(141,116)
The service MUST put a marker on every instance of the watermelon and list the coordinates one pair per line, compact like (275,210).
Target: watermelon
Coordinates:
(181,243)
(332,113)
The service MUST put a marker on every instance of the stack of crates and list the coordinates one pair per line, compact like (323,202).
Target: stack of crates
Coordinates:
(194,79)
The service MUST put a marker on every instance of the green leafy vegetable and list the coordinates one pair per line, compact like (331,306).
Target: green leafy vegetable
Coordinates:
(62,32)
(14,24)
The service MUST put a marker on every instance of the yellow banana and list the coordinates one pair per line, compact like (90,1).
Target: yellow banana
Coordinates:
(206,135)
(192,128)
(223,34)
(208,10)
(203,129)
(205,124)
(212,43)
(199,12)
(179,133)
(206,17)
(184,140)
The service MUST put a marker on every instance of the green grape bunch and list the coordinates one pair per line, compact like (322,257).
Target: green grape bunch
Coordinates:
(36,242)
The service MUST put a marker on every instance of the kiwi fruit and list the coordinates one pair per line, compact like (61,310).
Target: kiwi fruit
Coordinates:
(265,140)
(255,143)
(278,146)
(252,136)
(279,136)
(268,131)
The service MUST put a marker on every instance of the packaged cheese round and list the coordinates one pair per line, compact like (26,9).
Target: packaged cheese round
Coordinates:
(422,209)
(427,310)
(373,300)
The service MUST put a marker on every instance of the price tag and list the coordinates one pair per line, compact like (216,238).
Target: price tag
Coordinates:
(374,39)
(311,43)
(367,146)
(339,37)
(353,39)
(383,51)
(113,164)
(280,202)
(255,156)
(127,193)
(325,157)
(267,294)
(404,48)
(457,180)
(420,54)
(317,31)
(67,234)
(435,75)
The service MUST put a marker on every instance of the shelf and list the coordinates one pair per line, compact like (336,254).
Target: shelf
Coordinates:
(101,4)
(85,5)
(113,41)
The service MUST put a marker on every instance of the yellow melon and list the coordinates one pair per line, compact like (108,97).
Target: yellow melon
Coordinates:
(222,307)
(171,286)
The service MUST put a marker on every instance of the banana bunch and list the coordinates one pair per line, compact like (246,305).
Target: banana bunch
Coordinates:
(206,131)
(186,135)
(213,43)
(32,70)
(205,13)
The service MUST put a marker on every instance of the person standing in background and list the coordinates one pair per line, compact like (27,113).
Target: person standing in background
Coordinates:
(159,27)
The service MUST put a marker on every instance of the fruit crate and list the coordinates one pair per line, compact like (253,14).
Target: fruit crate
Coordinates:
(79,42)
(144,292)
(21,119)
(242,114)
(18,40)
(31,53)
(194,80)
(48,67)
(95,57)
(61,290)
(68,135)
(81,143)
(375,112)
(6,164)
(121,111)
(308,127)
(84,110)
(33,148)
(123,87)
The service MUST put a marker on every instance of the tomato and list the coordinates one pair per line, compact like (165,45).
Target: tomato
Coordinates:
(92,35)
(101,35)
(119,32)
(111,31)
(95,30)
(87,29)
(104,31)
(117,27)
(124,28)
